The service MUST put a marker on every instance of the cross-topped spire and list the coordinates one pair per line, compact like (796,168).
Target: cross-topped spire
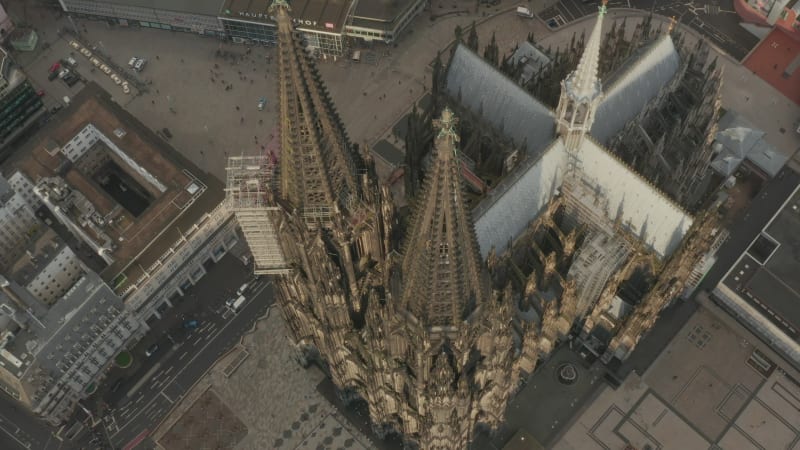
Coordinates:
(583,83)
(443,275)
(276,4)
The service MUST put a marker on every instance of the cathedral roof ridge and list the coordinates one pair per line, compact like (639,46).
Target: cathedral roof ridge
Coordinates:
(629,68)
(649,183)
(463,47)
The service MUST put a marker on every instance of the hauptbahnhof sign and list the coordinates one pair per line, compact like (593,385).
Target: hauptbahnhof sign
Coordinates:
(323,15)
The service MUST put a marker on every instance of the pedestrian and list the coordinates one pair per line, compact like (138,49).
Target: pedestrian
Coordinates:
(156,56)
(260,122)
(153,102)
(237,108)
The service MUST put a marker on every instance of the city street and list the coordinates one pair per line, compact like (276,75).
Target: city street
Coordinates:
(184,355)
(146,395)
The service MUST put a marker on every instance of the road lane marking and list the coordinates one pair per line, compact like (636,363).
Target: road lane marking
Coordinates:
(167,397)
(196,354)
(183,356)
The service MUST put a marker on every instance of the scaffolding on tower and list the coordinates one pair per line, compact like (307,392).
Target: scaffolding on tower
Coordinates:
(248,191)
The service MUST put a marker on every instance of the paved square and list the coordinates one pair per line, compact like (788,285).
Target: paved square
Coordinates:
(275,398)
(207,424)
(702,392)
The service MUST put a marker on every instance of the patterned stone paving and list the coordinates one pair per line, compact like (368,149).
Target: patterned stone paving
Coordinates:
(207,424)
(273,397)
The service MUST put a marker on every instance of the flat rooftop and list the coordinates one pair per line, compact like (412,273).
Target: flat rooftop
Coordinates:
(766,275)
(776,60)
(715,386)
(381,10)
(322,15)
(146,192)
(202,7)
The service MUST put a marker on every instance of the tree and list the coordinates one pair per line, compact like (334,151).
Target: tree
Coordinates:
(472,38)
(492,52)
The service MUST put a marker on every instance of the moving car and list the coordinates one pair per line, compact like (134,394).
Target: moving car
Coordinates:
(151,350)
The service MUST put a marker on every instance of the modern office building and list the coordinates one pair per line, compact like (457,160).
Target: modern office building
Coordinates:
(326,24)
(146,219)
(199,16)
(19,104)
(760,285)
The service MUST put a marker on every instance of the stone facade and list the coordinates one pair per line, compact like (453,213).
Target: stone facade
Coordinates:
(435,339)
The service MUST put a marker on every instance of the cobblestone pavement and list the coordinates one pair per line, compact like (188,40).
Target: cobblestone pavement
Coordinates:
(274,397)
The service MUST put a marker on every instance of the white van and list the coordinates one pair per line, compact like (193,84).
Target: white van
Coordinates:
(524,12)
(242,288)
(236,305)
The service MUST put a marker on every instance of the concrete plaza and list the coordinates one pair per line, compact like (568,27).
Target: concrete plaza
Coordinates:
(187,77)
(714,386)
(263,386)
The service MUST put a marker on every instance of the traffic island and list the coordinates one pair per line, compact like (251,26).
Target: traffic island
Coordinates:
(124,359)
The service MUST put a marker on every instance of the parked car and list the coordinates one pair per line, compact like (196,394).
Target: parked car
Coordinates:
(40,92)
(151,350)
(139,64)
(132,61)
(71,61)
(242,289)
(191,324)
(54,68)
(71,79)
(117,384)
(262,102)
(52,76)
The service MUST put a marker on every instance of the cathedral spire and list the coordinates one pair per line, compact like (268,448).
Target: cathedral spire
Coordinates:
(583,83)
(317,164)
(444,279)
(581,91)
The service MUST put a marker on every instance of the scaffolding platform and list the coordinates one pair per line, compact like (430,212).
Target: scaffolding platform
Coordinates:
(247,191)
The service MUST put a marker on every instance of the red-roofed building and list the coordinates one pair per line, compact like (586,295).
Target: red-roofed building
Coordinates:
(776,60)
